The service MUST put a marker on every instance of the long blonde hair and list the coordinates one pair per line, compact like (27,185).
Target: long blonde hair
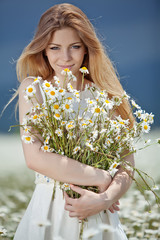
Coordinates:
(33,61)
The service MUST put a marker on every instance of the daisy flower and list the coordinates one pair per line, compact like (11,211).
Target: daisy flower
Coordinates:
(37,80)
(47,140)
(113,168)
(90,102)
(88,144)
(84,70)
(63,123)
(57,116)
(71,135)
(27,129)
(45,148)
(27,139)
(59,132)
(76,93)
(70,87)
(108,104)
(56,79)
(47,85)
(70,126)
(76,149)
(52,93)
(134,104)
(101,93)
(145,127)
(108,142)
(61,91)
(30,91)
(90,122)
(116,100)
(65,187)
(125,95)
(34,118)
(96,110)
(67,107)
(66,71)
(55,107)
(138,113)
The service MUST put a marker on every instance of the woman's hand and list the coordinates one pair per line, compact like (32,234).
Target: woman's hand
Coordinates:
(106,183)
(88,204)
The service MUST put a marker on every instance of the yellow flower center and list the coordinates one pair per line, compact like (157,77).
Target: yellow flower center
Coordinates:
(90,121)
(57,115)
(35,79)
(66,70)
(97,110)
(45,147)
(52,93)
(66,185)
(28,139)
(115,165)
(35,117)
(107,101)
(70,126)
(56,106)
(30,89)
(84,124)
(121,123)
(69,98)
(46,90)
(61,90)
(145,127)
(47,85)
(84,68)
(67,106)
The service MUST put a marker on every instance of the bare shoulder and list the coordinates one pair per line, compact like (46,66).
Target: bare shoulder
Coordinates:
(26,82)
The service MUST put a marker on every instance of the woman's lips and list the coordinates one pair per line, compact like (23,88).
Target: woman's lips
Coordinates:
(66,66)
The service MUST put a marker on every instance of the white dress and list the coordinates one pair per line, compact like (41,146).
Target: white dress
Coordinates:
(46,218)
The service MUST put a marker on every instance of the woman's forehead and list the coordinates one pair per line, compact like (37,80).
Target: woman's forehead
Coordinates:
(65,35)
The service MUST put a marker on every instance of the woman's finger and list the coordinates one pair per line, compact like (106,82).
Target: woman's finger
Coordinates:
(115,207)
(68,200)
(68,207)
(111,209)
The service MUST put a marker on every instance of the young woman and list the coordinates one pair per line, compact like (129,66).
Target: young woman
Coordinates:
(65,38)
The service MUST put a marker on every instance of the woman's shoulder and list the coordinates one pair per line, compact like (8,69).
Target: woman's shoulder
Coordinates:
(27,81)
(30,82)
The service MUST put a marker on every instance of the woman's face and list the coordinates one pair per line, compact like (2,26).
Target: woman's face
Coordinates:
(65,50)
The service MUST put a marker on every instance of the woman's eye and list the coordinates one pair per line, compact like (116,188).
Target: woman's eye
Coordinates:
(76,46)
(54,48)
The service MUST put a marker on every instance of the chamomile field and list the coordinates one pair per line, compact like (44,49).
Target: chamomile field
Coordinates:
(17,186)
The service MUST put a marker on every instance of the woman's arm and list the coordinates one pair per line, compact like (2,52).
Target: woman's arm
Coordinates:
(58,167)
(92,203)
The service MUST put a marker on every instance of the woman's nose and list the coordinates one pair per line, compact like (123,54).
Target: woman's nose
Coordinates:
(66,55)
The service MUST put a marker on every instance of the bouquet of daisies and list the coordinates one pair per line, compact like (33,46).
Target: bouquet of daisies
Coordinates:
(85,128)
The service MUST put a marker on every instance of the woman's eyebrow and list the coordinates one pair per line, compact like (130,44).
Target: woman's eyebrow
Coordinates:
(60,45)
